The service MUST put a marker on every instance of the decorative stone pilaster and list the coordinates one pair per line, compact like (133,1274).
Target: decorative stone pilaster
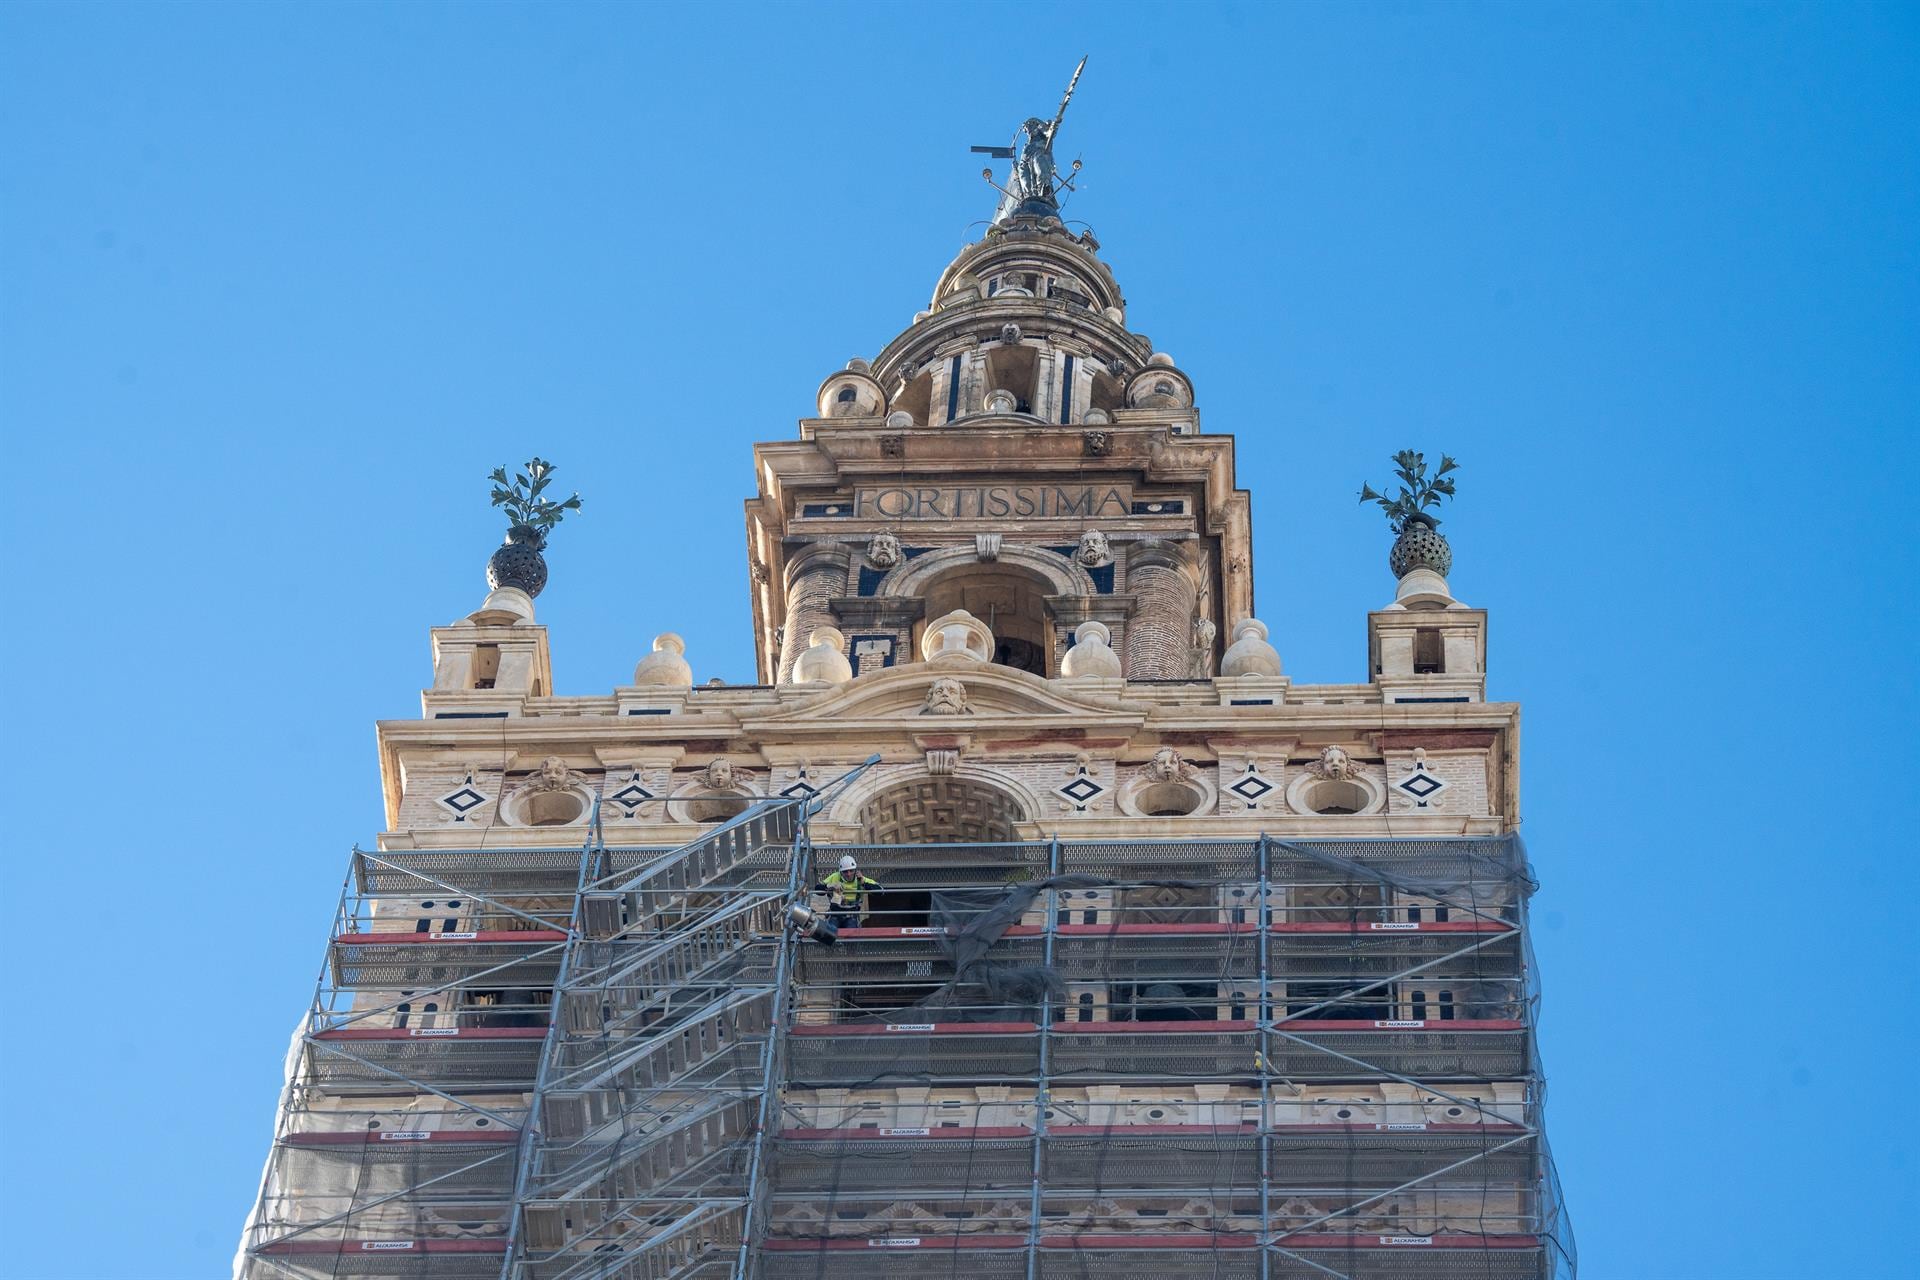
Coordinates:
(1159,635)
(814,577)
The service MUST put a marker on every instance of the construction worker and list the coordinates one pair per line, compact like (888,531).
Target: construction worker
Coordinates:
(846,891)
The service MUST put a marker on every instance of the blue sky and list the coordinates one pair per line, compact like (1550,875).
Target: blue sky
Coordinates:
(279,284)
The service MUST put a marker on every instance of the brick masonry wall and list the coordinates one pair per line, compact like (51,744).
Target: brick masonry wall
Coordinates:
(807,609)
(1159,634)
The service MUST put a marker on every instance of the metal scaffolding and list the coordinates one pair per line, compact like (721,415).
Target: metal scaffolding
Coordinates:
(1254,1058)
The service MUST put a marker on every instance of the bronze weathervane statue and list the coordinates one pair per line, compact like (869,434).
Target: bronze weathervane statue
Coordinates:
(1034,184)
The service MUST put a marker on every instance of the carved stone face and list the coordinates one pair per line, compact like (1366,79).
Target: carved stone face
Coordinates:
(1335,765)
(884,551)
(721,775)
(1167,766)
(1093,549)
(946,697)
(553,775)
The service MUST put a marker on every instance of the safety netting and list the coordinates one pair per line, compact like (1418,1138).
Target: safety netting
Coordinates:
(1268,1058)
(1203,1058)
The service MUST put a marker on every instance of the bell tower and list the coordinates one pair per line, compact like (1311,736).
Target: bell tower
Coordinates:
(1161,962)
(1017,453)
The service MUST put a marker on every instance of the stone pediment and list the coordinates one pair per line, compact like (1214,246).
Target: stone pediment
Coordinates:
(951,694)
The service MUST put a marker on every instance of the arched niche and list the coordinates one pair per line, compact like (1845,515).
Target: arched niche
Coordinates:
(1015,368)
(1010,601)
(1108,393)
(551,807)
(1358,793)
(1009,594)
(1184,795)
(916,398)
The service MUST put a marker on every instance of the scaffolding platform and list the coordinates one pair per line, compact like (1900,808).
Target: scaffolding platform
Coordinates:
(1186,1256)
(396,961)
(390,1059)
(400,1259)
(1445,1052)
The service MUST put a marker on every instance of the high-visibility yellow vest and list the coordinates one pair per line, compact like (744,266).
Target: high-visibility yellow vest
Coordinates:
(849,891)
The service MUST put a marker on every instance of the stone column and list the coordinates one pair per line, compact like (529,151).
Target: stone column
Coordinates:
(1159,636)
(814,577)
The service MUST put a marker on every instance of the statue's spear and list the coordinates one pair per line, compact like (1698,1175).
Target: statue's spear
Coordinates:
(1065,98)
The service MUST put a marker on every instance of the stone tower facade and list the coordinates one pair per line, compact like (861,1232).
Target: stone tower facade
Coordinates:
(1173,965)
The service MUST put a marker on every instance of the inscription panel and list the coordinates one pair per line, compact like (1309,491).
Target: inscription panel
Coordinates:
(994,502)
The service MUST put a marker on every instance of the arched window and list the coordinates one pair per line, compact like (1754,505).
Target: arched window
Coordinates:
(1011,601)
(847,395)
(1015,369)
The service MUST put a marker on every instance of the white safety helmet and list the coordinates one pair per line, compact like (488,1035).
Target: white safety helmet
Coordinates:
(847,863)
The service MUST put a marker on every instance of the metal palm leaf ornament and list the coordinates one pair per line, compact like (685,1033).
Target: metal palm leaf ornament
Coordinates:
(519,562)
(1418,543)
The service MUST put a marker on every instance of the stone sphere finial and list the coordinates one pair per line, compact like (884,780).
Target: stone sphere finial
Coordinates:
(822,662)
(1250,654)
(1092,652)
(666,667)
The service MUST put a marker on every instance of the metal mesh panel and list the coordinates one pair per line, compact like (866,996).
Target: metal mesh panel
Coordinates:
(1424,1053)
(1416,1262)
(402,1259)
(1302,1158)
(1214,1162)
(1175,1263)
(850,1163)
(876,1261)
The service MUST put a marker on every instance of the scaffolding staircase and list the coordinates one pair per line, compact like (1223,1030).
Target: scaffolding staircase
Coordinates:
(644,1141)
(636,1011)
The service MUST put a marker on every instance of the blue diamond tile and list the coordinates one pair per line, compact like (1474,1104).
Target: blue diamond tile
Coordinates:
(1250,787)
(1081,790)
(464,799)
(1421,785)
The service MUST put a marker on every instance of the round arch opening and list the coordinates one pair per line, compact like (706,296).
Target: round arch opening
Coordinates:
(1011,601)
(930,811)
(941,810)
